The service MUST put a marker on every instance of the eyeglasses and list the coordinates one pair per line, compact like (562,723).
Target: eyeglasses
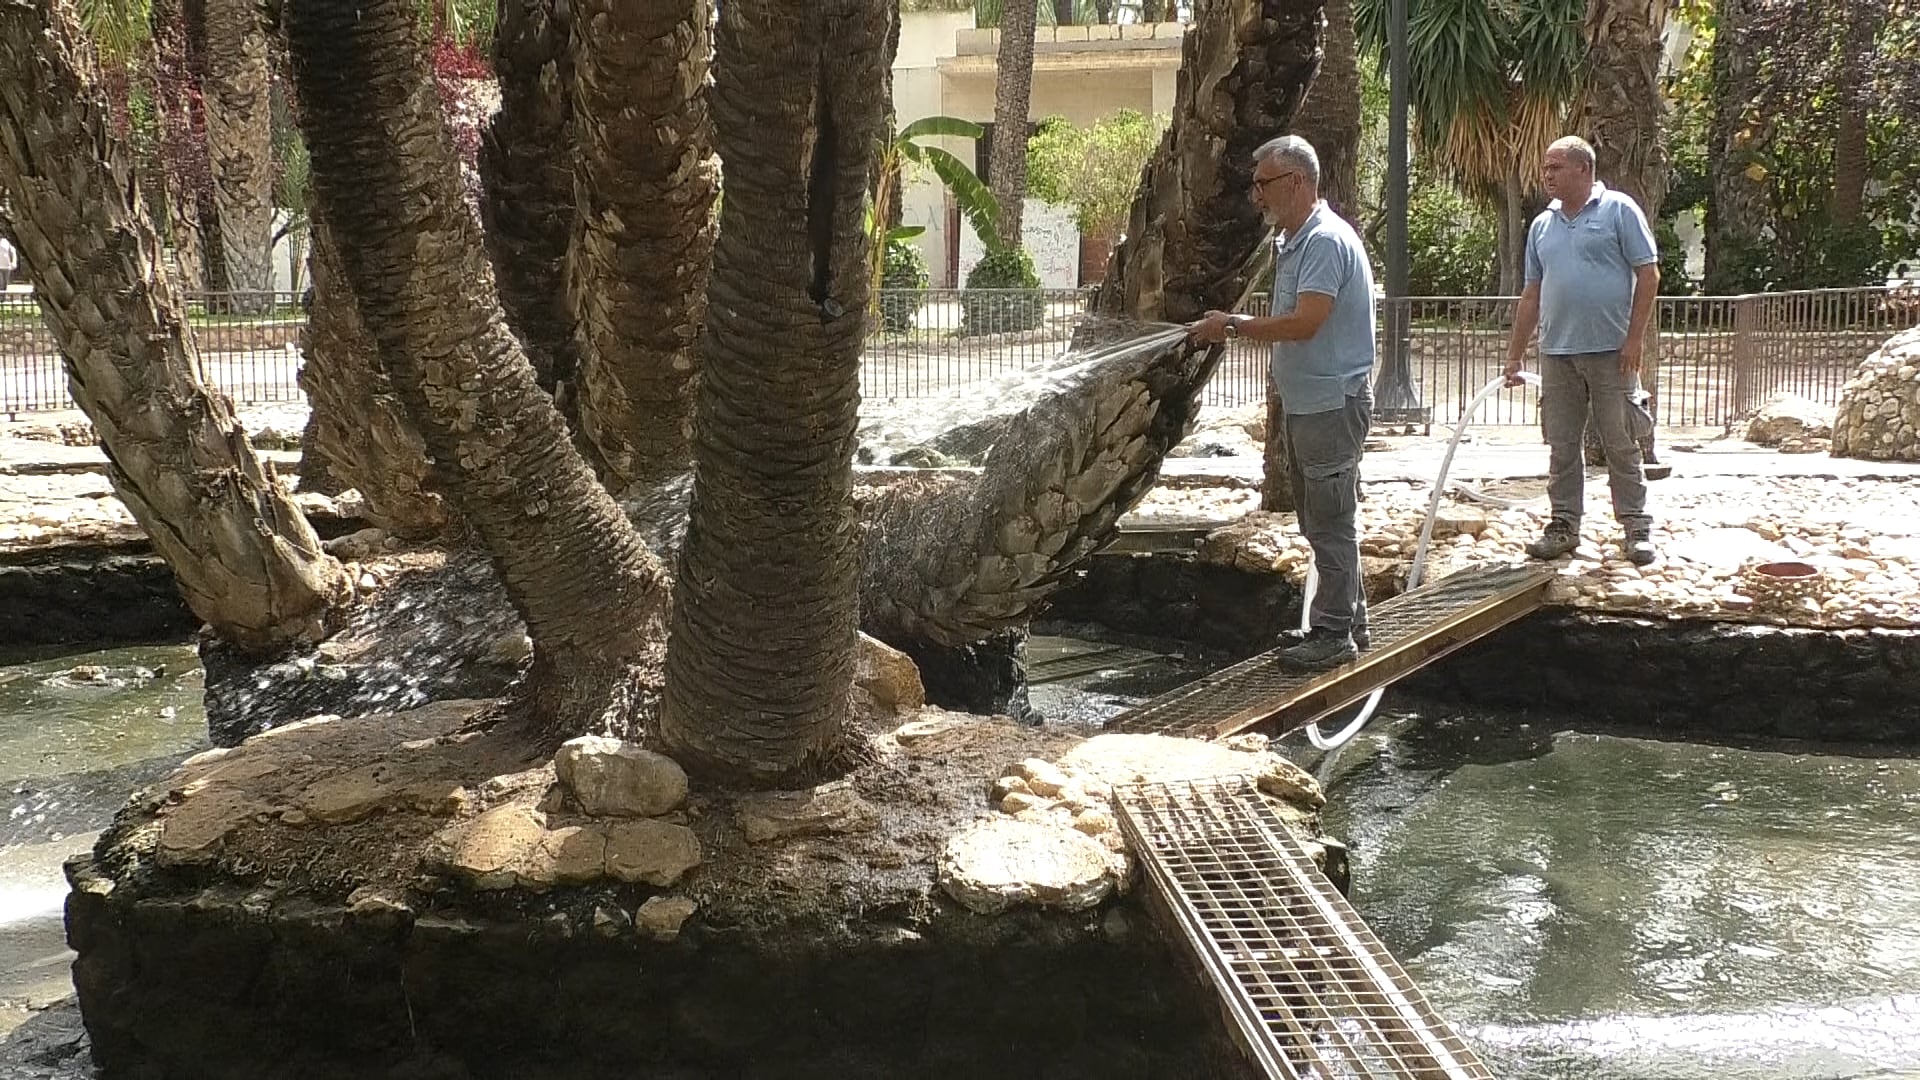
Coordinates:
(1260,184)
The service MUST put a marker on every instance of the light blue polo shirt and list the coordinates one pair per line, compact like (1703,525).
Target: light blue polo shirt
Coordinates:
(1585,265)
(1324,256)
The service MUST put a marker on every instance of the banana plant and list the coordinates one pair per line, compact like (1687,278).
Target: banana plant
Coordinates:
(906,147)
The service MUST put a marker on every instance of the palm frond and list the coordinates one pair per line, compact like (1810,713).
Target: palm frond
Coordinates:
(119,29)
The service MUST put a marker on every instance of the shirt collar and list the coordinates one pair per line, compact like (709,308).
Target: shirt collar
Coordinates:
(1287,240)
(1599,189)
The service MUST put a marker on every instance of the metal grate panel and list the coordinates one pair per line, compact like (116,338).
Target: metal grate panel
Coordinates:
(1409,631)
(1312,992)
(1057,659)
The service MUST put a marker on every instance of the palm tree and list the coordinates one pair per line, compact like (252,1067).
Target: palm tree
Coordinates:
(1623,108)
(358,428)
(983,552)
(1624,115)
(765,610)
(1491,85)
(645,184)
(526,171)
(1192,230)
(1012,96)
(387,183)
(1738,211)
(1851,162)
(246,560)
(240,146)
(1330,116)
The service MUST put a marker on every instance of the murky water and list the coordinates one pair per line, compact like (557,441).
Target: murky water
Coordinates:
(1617,908)
(77,733)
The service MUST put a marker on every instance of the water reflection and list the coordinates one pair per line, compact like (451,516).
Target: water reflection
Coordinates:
(77,733)
(1599,905)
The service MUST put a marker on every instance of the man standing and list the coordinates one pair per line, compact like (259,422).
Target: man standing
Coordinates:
(8,261)
(1592,277)
(1321,329)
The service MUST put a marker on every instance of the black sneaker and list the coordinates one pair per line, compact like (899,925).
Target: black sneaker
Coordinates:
(1294,637)
(1557,539)
(1320,650)
(1638,544)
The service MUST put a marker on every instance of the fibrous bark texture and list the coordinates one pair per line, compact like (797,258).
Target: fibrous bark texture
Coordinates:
(1624,108)
(1245,65)
(240,146)
(644,192)
(245,557)
(359,426)
(526,172)
(388,185)
(965,557)
(765,610)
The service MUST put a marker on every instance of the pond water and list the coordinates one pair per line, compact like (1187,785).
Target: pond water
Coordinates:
(77,733)
(1609,907)
(1591,905)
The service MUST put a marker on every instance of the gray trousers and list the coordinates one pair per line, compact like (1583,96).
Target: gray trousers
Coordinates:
(1572,388)
(1325,475)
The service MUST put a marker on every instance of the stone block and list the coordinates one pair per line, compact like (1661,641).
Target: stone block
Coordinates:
(611,778)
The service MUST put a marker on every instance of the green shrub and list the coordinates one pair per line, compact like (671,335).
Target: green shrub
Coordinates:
(901,280)
(986,309)
(1452,244)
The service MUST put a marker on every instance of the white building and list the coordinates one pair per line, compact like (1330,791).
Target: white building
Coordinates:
(946,67)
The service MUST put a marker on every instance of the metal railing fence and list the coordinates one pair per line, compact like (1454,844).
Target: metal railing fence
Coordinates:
(249,345)
(1718,358)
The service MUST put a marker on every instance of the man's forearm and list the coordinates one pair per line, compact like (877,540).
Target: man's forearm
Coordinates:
(1268,329)
(1525,321)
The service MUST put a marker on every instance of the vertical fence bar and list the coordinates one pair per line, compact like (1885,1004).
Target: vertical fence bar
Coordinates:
(1746,362)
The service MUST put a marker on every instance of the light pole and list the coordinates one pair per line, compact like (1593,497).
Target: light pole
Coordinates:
(1396,398)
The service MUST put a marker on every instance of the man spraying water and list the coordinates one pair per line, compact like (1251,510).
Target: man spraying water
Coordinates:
(1321,329)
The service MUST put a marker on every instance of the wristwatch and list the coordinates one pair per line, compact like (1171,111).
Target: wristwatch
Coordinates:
(1233,330)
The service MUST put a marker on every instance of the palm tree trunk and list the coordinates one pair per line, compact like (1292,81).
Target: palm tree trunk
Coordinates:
(387,182)
(246,560)
(645,187)
(359,427)
(1276,459)
(1063,12)
(1512,234)
(1329,118)
(526,172)
(1625,110)
(179,152)
(953,560)
(766,612)
(1738,211)
(240,147)
(1626,122)
(1012,97)
(180,63)
(1851,167)
(1192,229)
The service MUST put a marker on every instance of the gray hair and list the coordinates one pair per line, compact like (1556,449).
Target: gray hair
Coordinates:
(1577,148)
(1294,151)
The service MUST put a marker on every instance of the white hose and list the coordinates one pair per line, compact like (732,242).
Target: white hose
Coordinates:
(1345,735)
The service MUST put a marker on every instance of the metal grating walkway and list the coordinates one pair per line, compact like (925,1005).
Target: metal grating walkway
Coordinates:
(1409,631)
(1309,988)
